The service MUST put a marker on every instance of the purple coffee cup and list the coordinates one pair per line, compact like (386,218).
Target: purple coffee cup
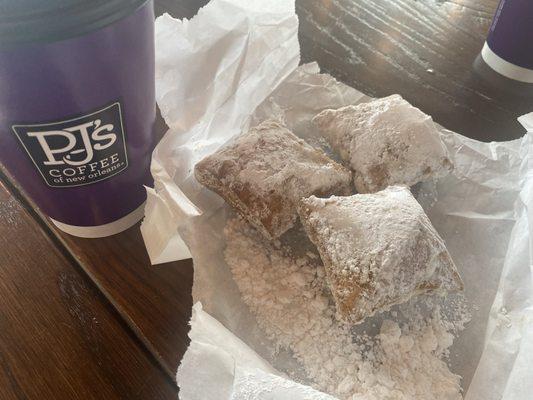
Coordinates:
(506,59)
(508,49)
(77,109)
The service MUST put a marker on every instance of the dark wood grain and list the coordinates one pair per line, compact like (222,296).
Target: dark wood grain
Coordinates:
(59,338)
(179,8)
(155,301)
(422,49)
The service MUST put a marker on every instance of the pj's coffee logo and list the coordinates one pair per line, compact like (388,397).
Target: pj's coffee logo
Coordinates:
(78,151)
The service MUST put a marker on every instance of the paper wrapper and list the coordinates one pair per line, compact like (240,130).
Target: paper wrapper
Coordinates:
(232,66)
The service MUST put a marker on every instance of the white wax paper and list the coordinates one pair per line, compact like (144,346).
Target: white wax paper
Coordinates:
(234,65)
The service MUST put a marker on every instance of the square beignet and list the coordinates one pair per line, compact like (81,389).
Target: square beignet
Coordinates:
(378,249)
(266,171)
(386,142)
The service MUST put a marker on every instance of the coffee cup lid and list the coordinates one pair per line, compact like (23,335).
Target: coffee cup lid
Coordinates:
(27,21)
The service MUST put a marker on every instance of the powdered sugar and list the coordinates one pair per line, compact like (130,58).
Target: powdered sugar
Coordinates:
(386,142)
(256,384)
(289,295)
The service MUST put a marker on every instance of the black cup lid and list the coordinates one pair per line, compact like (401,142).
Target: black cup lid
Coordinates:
(26,21)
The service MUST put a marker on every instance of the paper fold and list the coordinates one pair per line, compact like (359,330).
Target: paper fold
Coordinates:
(505,369)
(220,366)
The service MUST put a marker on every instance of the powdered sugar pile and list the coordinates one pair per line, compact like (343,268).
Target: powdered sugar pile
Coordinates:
(260,385)
(287,291)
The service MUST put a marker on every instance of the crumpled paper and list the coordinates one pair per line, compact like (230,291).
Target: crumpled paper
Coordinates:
(218,365)
(234,65)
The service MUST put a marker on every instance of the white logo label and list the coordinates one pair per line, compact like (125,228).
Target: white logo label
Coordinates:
(78,151)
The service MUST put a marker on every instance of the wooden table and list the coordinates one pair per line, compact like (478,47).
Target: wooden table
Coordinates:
(91,319)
